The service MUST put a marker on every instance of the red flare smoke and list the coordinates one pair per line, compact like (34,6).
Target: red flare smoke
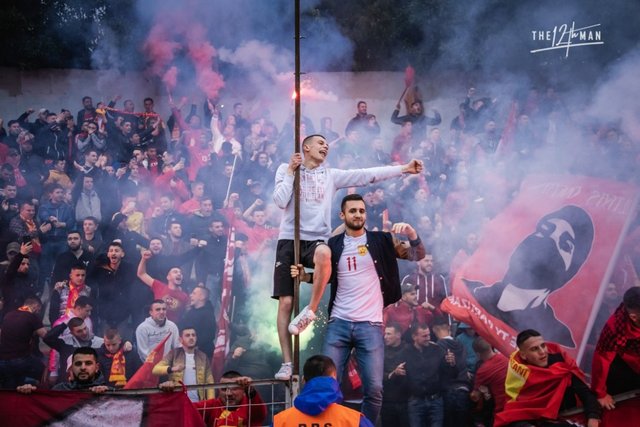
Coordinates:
(161,47)
(202,53)
(409,76)
(170,78)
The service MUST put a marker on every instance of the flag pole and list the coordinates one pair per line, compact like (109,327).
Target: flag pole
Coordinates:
(296,187)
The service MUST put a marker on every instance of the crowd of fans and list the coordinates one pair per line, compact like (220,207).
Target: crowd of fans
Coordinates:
(115,222)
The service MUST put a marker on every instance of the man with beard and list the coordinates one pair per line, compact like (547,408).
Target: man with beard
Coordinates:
(80,337)
(239,404)
(362,124)
(364,280)
(202,317)
(112,289)
(542,263)
(431,287)
(73,256)
(85,374)
(187,365)
(175,244)
(170,292)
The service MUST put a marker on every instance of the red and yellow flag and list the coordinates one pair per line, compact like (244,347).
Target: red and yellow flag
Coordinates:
(144,378)
(535,392)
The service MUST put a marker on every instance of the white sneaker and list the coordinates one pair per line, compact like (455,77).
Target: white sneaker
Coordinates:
(285,372)
(301,321)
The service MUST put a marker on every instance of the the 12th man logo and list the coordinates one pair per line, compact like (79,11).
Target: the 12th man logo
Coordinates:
(566,37)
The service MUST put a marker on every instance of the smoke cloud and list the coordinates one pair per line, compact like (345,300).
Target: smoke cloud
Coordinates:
(243,50)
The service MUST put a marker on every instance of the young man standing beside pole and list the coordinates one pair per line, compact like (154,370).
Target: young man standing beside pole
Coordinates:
(317,187)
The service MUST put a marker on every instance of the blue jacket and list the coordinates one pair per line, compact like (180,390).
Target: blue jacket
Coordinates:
(384,252)
(318,394)
(64,213)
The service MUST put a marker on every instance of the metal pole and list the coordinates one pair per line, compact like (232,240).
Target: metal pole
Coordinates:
(296,187)
(233,172)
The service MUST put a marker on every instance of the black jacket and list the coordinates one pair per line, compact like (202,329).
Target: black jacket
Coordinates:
(381,247)
(395,387)
(457,376)
(111,291)
(203,320)
(16,287)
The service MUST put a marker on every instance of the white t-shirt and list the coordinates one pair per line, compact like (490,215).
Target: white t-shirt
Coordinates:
(358,298)
(189,377)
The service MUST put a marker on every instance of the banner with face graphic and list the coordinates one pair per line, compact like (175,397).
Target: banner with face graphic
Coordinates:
(543,262)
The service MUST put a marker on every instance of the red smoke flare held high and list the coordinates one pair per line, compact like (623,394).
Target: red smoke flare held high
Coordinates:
(170,78)
(202,53)
(160,49)
(409,76)
(183,33)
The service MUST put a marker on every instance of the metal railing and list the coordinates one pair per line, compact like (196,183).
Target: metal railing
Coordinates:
(276,394)
(617,398)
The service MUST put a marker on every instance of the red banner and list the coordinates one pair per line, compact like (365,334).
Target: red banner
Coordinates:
(83,409)
(144,378)
(543,262)
(221,348)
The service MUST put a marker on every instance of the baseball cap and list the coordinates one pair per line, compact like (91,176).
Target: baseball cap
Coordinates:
(13,247)
(408,284)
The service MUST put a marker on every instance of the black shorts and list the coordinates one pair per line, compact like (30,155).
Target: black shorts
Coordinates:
(282,280)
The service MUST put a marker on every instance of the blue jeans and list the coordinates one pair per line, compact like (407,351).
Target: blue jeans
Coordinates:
(457,408)
(424,411)
(366,338)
